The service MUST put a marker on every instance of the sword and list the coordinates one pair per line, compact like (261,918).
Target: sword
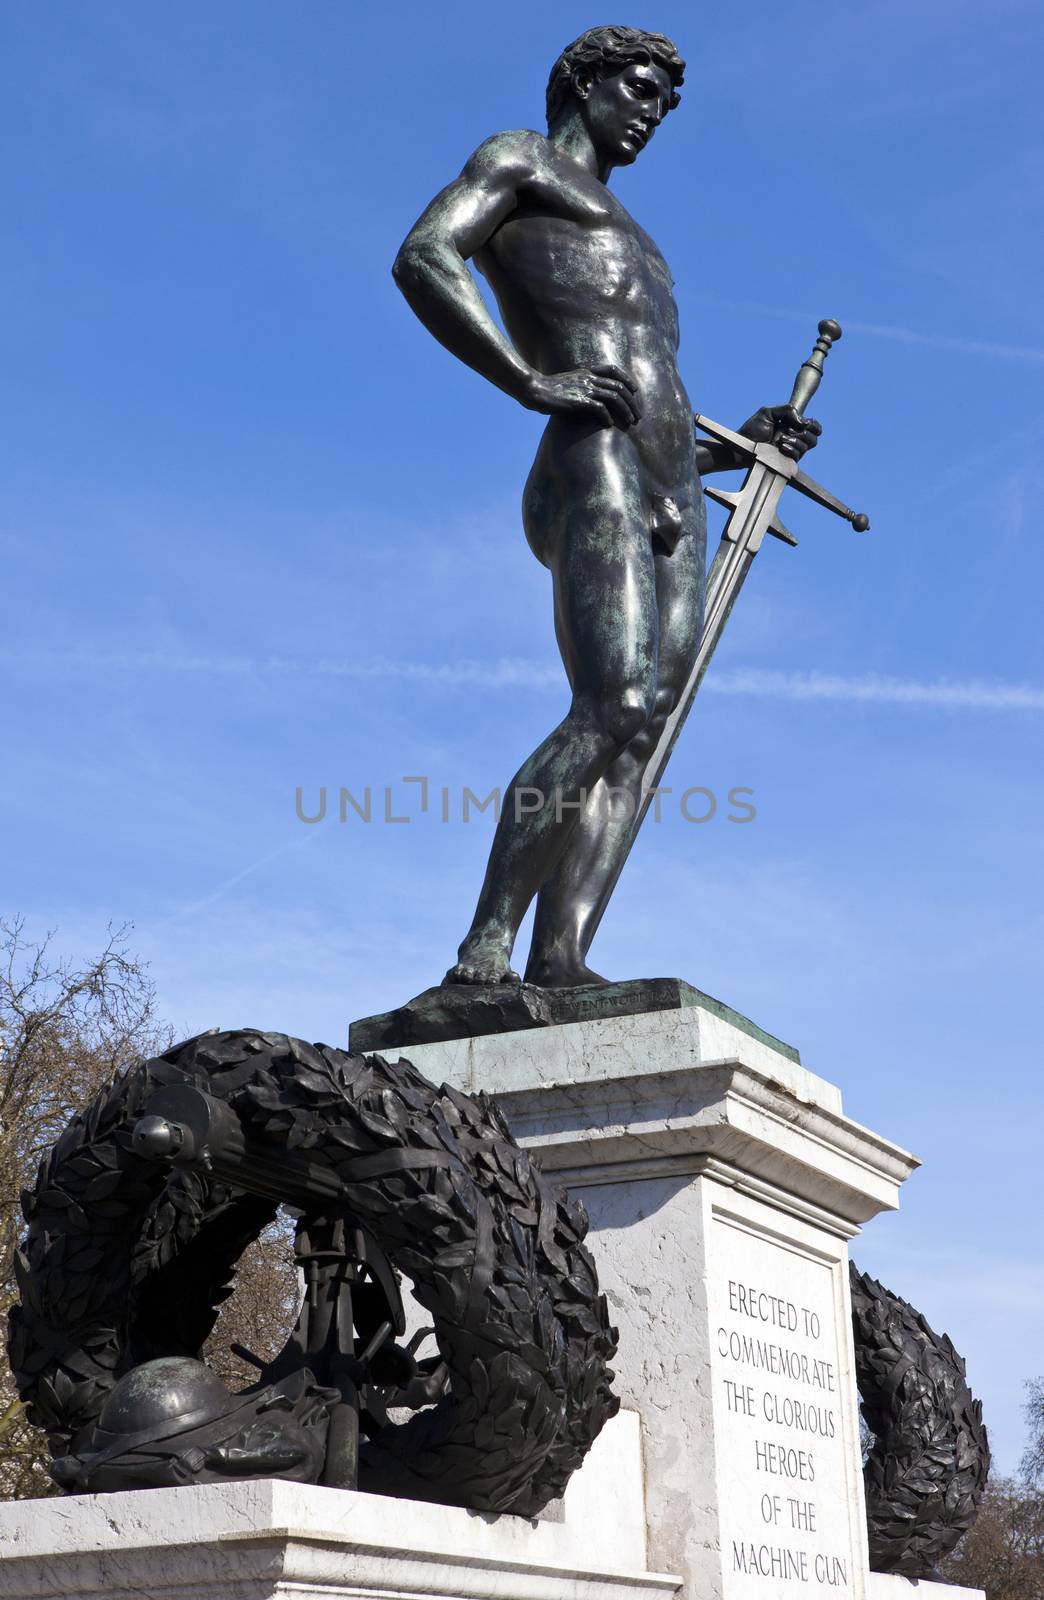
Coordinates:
(752,514)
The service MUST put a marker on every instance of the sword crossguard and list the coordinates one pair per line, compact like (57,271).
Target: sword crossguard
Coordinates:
(810,375)
(717,430)
(815,491)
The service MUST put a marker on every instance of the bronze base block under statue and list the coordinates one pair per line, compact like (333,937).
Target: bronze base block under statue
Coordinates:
(474,1011)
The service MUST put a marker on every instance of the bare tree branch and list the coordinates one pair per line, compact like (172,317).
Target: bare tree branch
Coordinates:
(65,1030)
(1004,1552)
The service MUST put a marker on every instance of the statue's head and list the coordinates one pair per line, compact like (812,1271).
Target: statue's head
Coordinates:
(621,81)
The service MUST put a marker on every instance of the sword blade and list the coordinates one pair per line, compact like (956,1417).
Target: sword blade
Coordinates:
(741,539)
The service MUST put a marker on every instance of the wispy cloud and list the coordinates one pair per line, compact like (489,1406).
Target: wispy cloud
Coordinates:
(883,330)
(875,689)
(944,341)
(237,878)
(516,672)
(508,672)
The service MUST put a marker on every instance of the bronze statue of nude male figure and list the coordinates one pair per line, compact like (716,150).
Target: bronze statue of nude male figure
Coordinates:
(613,506)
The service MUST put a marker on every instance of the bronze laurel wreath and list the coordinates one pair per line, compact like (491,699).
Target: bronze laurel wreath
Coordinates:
(494,1252)
(930,1458)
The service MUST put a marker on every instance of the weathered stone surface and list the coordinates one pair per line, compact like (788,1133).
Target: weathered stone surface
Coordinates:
(263,1539)
(724,1118)
(613,1049)
(469,1011)
(890,1586)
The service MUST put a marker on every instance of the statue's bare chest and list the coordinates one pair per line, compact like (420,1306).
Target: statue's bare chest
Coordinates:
(570,236)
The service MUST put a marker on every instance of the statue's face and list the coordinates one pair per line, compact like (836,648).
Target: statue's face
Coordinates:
(622,112)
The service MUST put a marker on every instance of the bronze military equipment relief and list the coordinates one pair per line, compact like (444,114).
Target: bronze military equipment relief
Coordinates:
(144,1205)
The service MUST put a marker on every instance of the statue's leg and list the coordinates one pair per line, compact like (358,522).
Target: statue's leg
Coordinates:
(607,626)
(573,897)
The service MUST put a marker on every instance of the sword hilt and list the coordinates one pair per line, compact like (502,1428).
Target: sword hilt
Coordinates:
(809,377)
(811,371)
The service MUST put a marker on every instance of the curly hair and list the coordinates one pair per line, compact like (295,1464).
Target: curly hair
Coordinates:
(603,51)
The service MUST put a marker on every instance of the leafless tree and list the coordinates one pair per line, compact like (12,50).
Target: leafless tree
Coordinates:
(1033,1458)
(65,1030)
(1004,1552)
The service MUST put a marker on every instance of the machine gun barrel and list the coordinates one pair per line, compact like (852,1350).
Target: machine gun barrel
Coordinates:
(191,1128)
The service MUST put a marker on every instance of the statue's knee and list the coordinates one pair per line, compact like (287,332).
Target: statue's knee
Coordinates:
(664,703)
(624,715)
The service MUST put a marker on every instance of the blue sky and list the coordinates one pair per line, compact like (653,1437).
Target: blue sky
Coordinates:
(259,532)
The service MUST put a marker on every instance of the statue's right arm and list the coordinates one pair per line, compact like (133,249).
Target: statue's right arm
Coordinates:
(431,267)
(432,272)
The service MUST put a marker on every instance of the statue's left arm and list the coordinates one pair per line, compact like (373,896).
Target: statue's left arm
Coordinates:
(779,425)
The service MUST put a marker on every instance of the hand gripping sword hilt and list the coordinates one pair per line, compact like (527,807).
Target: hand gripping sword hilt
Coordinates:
(806,383)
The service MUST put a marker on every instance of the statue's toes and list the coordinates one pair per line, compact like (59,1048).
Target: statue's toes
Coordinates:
(481,972)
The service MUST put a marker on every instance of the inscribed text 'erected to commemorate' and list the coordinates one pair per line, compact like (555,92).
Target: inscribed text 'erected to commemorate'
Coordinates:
(784,1420)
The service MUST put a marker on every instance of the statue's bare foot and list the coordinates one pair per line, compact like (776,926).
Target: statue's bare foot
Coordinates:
(559,971)
(483,959)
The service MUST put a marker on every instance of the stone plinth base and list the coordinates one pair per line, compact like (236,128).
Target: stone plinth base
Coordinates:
(258,1540)
(723,1182)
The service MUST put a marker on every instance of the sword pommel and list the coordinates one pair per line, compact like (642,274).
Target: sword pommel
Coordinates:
(808,379)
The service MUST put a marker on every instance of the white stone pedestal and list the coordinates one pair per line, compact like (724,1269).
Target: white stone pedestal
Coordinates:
(723,1183)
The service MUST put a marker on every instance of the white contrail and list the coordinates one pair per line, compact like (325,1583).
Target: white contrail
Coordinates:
(509,672)
(876,689)
(882,330)
(514,672)
(946,341)
(226,884)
